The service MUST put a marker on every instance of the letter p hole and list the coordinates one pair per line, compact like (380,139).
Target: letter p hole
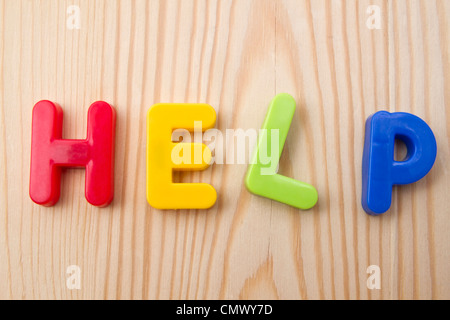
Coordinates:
(50,153)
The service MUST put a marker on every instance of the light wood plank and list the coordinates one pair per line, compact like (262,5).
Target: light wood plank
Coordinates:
(234,55)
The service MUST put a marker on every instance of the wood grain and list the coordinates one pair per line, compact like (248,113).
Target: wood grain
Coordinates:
(234,55)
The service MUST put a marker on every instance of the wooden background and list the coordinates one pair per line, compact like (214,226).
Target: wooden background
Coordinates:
(234,55)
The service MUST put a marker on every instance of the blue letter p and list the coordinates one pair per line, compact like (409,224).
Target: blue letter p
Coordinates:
(379,171)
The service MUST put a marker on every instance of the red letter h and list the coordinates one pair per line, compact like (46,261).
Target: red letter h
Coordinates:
(49,153)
